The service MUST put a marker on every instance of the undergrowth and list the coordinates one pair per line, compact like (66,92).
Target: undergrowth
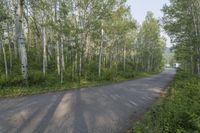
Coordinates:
(178,112)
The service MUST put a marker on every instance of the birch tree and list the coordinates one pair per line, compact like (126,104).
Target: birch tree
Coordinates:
(4,57)
(44,45)
(182,22)
(149,45)
(75,40)
(20,38)
(101,49)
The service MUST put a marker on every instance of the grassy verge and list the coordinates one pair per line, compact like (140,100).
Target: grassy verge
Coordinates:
(13,91)
(178,112)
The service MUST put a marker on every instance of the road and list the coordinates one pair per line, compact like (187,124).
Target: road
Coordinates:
(103,109)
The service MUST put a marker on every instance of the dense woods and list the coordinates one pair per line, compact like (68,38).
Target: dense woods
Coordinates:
(51,45)
(182,22)
(50,42)
(178,111)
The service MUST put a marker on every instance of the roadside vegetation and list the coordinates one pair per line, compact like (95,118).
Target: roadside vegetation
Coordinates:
(178,112)
(50,45)
(39,84)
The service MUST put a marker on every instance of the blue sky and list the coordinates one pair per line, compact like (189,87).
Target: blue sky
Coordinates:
(139,9)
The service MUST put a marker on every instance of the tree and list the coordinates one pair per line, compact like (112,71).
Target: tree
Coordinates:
(73,40)
(182,22)
(150,45)
(20,38)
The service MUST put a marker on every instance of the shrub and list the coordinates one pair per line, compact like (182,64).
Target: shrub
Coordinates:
(179,112)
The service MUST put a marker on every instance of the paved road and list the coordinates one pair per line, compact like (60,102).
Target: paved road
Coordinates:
(104,109)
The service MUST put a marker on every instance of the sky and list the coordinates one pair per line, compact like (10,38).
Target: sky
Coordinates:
(139,9)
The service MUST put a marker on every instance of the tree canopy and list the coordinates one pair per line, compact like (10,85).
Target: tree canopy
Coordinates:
(63,41)
(182,22)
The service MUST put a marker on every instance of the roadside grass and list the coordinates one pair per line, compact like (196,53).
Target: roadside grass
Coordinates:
(38,84)
(178,112)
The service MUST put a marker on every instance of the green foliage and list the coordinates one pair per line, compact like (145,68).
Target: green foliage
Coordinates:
(150,45)
(40,84)
(181,22)
(178,112)
(3,15)
(70,43)
(13,85)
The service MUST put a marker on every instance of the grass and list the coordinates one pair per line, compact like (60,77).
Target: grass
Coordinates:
(178,112)
(38,88)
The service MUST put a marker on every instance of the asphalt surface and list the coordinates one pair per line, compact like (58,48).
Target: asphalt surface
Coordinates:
(103,109)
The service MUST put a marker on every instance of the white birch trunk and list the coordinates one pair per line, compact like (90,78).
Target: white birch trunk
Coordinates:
(5,59)
(58,56)
(66,55)
(44,51)
(20,40)
(76,61)
(62,61)
(10,50)
(80,65)
(15,46)
(10,54)
(100,51)
(62,56)
(124,58)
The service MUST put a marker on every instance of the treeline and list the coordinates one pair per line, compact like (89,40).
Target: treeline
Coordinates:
(70,40)
(182,22)
(178,111)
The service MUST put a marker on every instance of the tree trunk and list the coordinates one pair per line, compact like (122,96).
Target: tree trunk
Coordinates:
(58,56)
(10,55)
(100,51)
(124,58)
(5,59)
(62,61)
(80,64)
(62,56)
(20,40)
(76,62)
(10,51)
(44,51)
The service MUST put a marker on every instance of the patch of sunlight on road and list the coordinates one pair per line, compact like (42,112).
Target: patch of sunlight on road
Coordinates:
(157,90)
(62,112)
(19,117)
(63,108)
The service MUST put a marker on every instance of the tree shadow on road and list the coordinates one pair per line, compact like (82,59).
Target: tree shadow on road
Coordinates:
(80,125)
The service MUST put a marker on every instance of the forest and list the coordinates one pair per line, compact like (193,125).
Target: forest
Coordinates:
(67,43)
(178,111)
(92,46)
(181,21)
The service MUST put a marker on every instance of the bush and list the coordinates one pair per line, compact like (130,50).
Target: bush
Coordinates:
(108,75)
(179,112)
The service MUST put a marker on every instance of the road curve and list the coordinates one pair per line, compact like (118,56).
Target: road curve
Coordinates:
(104,109)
